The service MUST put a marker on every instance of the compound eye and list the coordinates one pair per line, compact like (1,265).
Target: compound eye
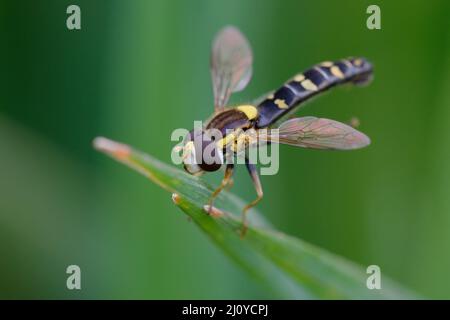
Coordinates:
(212,157)
(194,135)
(215,165)
(201,152)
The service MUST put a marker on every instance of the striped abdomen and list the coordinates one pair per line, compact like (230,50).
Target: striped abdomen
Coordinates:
(309,83)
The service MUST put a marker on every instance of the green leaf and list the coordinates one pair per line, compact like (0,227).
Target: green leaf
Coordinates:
(288,267)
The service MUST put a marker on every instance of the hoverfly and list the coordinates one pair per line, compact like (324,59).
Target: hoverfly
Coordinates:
(231,70)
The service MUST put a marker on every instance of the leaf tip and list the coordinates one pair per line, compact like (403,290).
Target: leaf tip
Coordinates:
(176,198)
(113,148)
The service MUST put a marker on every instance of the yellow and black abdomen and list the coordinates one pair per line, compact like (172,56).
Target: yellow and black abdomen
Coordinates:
(309,83)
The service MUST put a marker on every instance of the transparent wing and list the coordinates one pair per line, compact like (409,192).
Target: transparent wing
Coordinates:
(318,133)
(231,64)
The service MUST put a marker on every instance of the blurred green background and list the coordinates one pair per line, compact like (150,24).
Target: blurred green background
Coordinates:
(139,69)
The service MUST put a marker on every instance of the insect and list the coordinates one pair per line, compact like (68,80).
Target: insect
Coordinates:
(231,70)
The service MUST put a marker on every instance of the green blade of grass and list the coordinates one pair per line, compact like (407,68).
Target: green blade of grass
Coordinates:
(288,267)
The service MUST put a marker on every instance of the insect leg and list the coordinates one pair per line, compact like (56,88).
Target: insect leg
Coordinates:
(230,184)
(259,191)
(226,179)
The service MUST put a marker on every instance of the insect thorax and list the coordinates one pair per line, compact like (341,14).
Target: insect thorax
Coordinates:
(234,125)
